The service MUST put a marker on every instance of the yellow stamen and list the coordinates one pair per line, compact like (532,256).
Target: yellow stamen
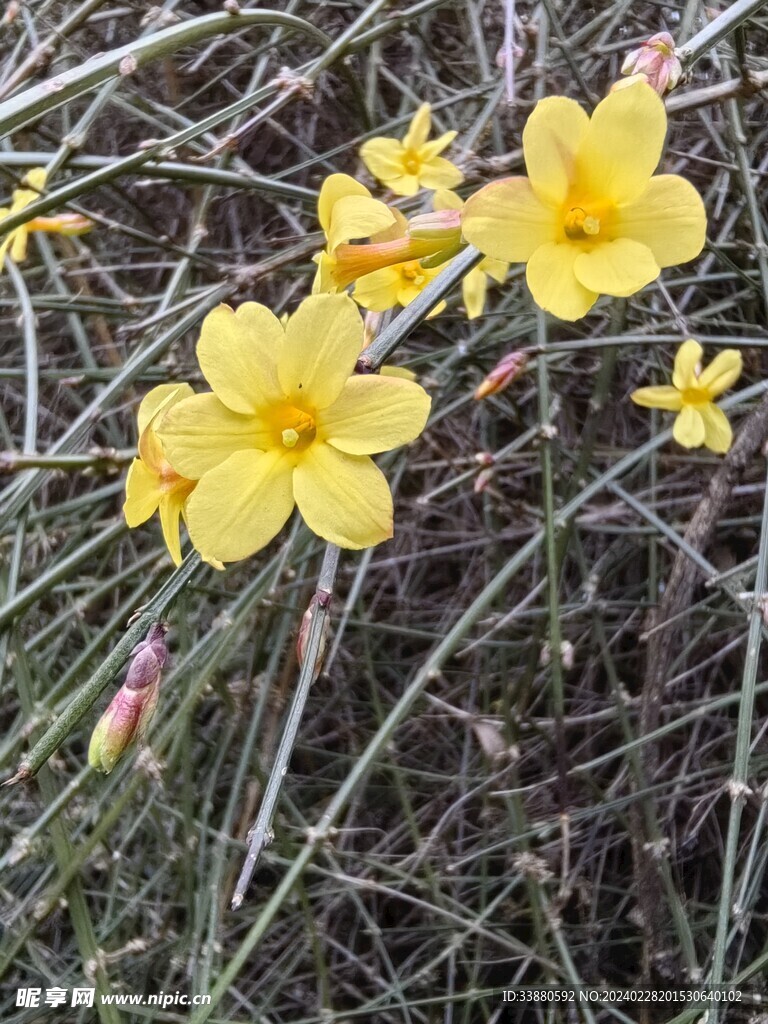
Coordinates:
(290,437)
(579,224)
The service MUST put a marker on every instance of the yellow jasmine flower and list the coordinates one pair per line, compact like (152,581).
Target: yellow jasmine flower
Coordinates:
(287,424)
(699,420)
(346,210)
(474,287)
(152,482)
(64,224)
(407,166)
(590,219)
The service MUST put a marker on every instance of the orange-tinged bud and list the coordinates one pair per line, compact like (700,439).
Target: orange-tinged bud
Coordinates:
(503,374)
(63,224)
(133,706)
(319,600)
(656,59)
(443,225)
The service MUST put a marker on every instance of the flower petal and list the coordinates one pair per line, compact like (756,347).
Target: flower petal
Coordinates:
(334,188)
(404,184)
(323,339)
(378,291)
(551,139)
(238,507)
(444,199)
(158,398)
(473,291)
(621,267)
(171,505)
(19,239)
(383,158)
(431,149)
(419,128)
(374,414)
(622,145)
(722,373)
(686,361)
(662,397)
(440,173)
(200,433)
(668,217)
(343,498)
(718,434)
(237,352)
(357,217)
(688,428)
(497,269)
(142,493)
(554,285)
(508,221)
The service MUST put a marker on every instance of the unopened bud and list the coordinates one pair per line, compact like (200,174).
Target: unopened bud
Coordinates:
(503,374)
(656,59)
(320,600)
(443,225)
(131,709)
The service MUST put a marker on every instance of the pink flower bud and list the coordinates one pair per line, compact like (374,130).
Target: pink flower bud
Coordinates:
(503,374)
(133,706)
(656,60)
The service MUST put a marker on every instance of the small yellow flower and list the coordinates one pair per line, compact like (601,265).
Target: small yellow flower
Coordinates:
(407,166)
(474,287)
(699,420)
(287,424)
(346,210)
(590,219)
(152,483)
(64,224)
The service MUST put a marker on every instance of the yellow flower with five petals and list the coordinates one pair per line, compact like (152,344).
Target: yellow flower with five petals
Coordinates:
(152,483)
(414,163)
(63,224)
(699,421)
(288,424)
(590,219)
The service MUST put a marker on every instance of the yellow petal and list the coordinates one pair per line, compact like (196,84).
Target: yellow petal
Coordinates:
(419,128)
(142,494)
(334,188)
(19,239)
(237,352)
(661,397)
(322,342)
(686,361)
(621,267)
(722,373)
(473,291)
(688,428)
(323,281)
(200,433)
(170,512)
(404,184)
(378,291)
(553,284)
(718,435)
(401,372)
(444,199)
(357,217)
(238,507)
(373,414)
(383,158)
(668,217)
(161,397)
(622,145)
(345,499)
(551,139)
(440,173)
(497,269)
(507,221)
(35,179)
(430,150)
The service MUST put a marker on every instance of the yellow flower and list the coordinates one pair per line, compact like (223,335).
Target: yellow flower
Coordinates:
(152,483)
(346,210)
(474,287)
(590,219)
(288,425)
(407,166)
(64,224)
(699,420)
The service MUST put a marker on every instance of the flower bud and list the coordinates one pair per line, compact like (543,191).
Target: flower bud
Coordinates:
(133,706)
(442,225)
(656,59)
(503,374)
(321,600)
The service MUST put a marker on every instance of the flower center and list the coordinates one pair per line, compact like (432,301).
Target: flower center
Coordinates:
(695,396)
(411,162)
(296,428)
(414,272)
(579,224)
